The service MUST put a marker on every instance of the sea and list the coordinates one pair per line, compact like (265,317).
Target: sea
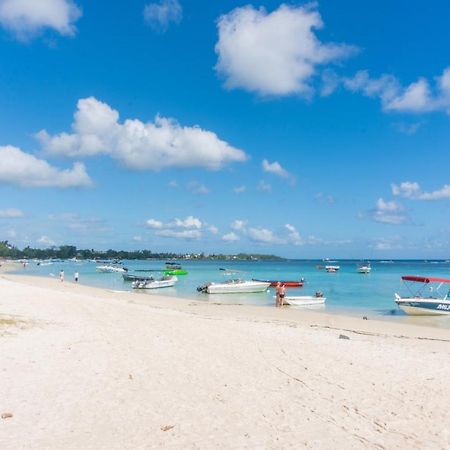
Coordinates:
(347,291)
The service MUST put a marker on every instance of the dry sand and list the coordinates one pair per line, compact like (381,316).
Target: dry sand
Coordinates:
(85,368)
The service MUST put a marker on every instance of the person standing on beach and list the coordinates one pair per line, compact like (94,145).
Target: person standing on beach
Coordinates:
(278,291)
(76,276)
(281,294)
(61,275)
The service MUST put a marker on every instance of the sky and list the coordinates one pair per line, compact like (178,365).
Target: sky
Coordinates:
(306,130)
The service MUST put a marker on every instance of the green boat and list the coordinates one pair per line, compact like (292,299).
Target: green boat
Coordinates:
(175,272)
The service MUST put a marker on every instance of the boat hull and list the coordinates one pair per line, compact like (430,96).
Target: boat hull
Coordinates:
(237,288)
(304,300)
(423,306)
(156,284)
(273,283)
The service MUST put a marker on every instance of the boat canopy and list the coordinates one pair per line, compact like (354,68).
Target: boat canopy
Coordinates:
(425,279)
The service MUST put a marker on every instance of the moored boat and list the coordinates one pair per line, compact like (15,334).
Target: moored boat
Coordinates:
(332,268)
(291,283)
(305,300)
(133,277)
(364,268)
(164,282)
(175,272)
(111,269)
(237,286)
(418,304)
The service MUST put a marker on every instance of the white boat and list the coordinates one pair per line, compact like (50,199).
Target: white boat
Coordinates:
(237,286)
(332,268)
(305,300)
(417,304)
(164,282)
(111,269)
(364,268)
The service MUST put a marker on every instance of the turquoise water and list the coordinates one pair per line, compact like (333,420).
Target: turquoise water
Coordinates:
(346,290)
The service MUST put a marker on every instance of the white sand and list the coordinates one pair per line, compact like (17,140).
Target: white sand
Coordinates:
(86,368)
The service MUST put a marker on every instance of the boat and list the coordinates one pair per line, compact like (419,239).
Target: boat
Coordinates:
(175,272)
(273,283)
(236,286)
(364,268)
(418,304)
(173,265)
(134,277)
(164,282)
(305,300)
(111,269)
(332,268)
(231,271)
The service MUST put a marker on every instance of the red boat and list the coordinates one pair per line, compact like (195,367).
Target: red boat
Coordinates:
(273,283)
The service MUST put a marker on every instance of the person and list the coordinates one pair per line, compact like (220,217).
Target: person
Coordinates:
(282,294)
(61,275)
(76,276)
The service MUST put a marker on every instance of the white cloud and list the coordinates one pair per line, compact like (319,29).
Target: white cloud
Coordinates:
(213,229)
(137,238)
(26,18)
(179,234)
(189,222)
(197,188)
(240,189)
(412,190)
(418,97)
(275,53)
(160,15)
(138,145)
(389,212)
(189,228)
(172,184)
(293,235)
(239,225)
(275,168)
(11,213)
(155,224)
(230,237)
(45,240)
(261,235)
(263,186)
(23,169)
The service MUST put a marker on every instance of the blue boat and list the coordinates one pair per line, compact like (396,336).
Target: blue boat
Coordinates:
(418,304)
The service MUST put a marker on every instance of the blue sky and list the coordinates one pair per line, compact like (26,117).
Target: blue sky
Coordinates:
(301,129)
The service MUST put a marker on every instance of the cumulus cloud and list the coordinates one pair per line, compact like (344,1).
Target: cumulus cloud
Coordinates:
(325,198)
(45,240)
(155,224)
(23,169)
(239,225)
(137,145)
(26,18)
(275,53)
(389,212)
(160,15)
(412,190)
(179,234)
(418,97)
(189,228)
(261,235)
(274,168)
(11,213)
(230,237)
(293,235)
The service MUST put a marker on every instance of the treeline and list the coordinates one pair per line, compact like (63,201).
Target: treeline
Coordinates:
(10,251)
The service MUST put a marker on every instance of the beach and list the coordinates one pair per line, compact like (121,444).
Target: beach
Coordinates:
(84,367)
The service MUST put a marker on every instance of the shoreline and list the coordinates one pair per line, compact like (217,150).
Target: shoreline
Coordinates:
(89,368)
